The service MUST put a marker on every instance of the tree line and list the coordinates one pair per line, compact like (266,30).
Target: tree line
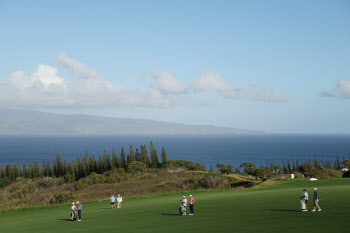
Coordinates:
(315,168)
(75,169)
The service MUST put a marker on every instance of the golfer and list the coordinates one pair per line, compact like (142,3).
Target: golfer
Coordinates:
(112,201)
(191,204)
(119,200)
(306,198)
(80,208)
(184,202)
(316,201)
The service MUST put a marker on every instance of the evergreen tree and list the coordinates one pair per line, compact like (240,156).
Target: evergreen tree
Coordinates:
(53,167)
(43,169)
(114,160)
(2,175)
(154,159)
(9,172)
(48,169)
(137,155)
(211,169)
(293,165)
(289,168)
(100,165)
(30,170)
(297,165)
(122,158)
(95,167)
(164,158)
(118,162)
(24,171)
(128,158)
(284,168)
(132,154)
(15,172)
(36,170)
(144,155)
(338,163)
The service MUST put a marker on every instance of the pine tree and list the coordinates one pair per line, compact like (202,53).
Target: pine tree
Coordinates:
(154,159)
(164,158)
(43,169)
(100,165)
(132,154)
(118,162)
(144,155)
(30,170)
(297,165)
(95,167)
(289,168)
(122,158)
(338,163)
(24,171)
(36,170)
(114,160)
(284,168)
(137,155)
(211,169)
(53,167)
(15,171)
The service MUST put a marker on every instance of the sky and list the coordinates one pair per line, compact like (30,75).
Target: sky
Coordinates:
(278,66)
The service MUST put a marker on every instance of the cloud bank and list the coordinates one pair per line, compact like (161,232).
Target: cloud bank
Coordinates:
(213,82)
(342,89)
(46,88)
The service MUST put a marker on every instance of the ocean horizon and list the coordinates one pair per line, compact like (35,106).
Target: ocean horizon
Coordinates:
(207,149)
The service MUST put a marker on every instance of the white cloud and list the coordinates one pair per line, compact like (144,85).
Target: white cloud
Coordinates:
(208,81)
(342,89)
(77,67)
(46,88)
(167,83)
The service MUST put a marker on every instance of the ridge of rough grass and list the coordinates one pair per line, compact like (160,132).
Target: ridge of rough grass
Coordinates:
(297,183)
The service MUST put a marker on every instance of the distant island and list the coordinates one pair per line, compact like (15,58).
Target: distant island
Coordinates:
(14,121)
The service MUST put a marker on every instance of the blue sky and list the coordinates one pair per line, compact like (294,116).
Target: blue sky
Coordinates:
(278,66)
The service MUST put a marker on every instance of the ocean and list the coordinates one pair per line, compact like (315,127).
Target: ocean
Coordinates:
(207,149)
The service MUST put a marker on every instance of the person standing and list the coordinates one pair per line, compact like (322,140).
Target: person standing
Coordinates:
(73,212)
(119,200)
(112,201)
(80,208)
(306,198)
(191,204)
(316,201)
(184,202)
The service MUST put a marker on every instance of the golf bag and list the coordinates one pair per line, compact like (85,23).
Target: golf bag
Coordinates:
(73,215)
(302,204)
(182,209)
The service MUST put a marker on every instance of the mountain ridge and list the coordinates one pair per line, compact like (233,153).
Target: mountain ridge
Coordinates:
(16,121)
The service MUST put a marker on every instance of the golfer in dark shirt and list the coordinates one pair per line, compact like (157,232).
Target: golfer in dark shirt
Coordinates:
(316,201)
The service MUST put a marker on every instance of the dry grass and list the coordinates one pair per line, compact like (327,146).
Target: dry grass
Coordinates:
(43,191)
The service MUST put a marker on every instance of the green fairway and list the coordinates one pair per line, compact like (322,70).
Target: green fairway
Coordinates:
(268,209)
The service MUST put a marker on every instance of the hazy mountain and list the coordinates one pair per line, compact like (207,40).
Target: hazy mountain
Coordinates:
(36,122)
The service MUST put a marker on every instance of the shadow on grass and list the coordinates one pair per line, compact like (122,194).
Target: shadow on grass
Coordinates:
(171,214)
(65,219)
(283,210)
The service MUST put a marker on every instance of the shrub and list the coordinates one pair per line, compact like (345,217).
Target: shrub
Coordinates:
(209,180)
(346,174)
(5,182)
(46,182)
(62,197)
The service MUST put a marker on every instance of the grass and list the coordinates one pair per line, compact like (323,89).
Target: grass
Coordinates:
(264,209)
